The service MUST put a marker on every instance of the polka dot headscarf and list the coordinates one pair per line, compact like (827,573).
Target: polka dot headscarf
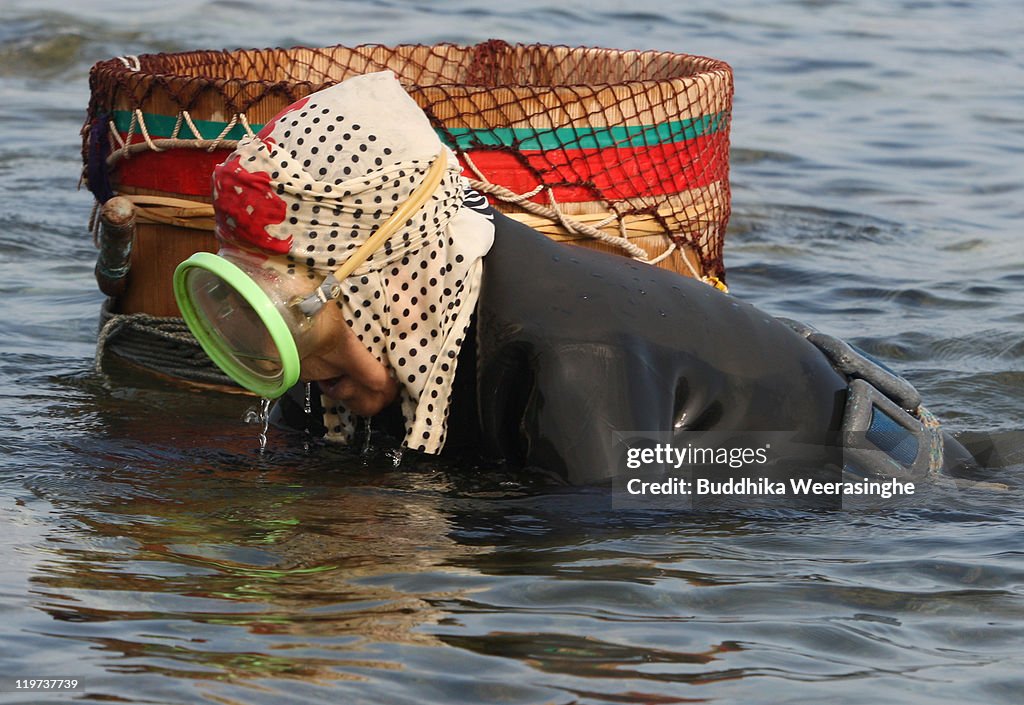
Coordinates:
(315,183)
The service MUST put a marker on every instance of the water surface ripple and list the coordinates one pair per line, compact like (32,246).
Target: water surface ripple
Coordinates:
(154,554)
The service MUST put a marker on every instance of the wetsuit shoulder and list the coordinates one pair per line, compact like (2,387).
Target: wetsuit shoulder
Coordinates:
(576,346)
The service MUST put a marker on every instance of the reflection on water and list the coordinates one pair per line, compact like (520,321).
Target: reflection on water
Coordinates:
(239,566)
(152,551)
(181,553)
(292,574)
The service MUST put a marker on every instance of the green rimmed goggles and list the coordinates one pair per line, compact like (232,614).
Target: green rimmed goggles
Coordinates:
(252,321)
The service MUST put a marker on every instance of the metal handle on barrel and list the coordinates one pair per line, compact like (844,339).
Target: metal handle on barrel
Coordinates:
(117,233)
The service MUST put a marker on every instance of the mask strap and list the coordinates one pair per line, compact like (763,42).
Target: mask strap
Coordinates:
(397,219)
(330,288)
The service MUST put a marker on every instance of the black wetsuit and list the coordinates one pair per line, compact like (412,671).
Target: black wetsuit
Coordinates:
(574,348)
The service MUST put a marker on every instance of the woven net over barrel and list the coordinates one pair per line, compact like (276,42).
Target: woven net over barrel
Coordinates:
(640,137)
(624,151)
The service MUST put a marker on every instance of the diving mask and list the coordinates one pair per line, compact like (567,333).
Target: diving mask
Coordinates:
(252,320)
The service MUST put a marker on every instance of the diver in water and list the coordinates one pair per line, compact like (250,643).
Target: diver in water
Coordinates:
(355,257)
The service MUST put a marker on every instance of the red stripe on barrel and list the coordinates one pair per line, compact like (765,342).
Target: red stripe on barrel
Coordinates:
(574,175)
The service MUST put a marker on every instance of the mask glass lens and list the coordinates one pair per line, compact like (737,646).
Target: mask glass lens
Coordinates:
(233,324)
(236,311)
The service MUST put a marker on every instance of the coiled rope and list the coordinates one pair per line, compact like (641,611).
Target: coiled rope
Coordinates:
(164,345)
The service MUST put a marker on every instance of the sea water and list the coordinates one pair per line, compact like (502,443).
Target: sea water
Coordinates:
(153,553)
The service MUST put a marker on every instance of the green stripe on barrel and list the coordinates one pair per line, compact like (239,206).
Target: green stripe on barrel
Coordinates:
(521,138)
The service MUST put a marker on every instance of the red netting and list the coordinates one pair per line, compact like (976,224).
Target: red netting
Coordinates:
(628,146)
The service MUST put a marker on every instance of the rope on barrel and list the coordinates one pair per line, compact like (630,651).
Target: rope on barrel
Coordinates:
(131,62)
(163,344)
(125,147)
(552,212)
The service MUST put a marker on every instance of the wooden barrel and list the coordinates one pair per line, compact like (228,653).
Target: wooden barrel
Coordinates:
(625,151)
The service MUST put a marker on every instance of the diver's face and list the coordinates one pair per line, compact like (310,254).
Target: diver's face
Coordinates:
(345,370)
